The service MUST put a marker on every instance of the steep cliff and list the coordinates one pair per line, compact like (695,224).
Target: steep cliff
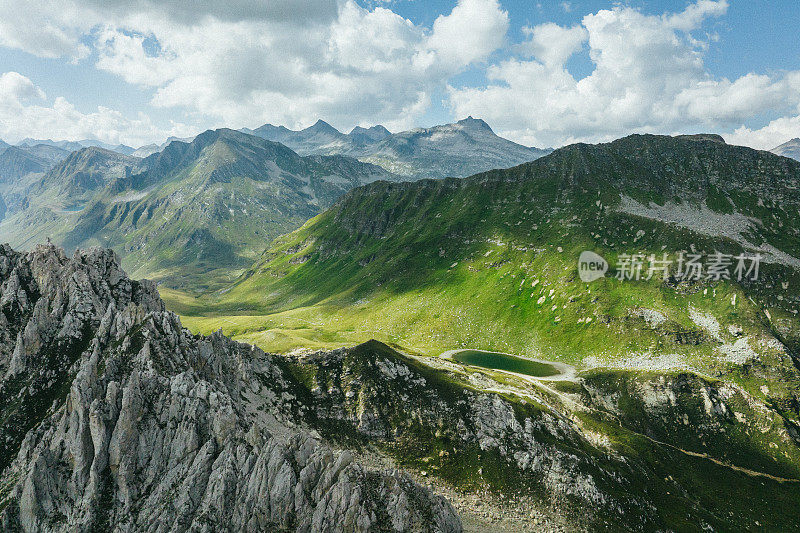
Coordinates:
(114,417)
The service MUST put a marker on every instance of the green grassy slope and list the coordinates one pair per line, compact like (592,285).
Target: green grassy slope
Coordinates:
(490,262)
(692,385)
(191,216)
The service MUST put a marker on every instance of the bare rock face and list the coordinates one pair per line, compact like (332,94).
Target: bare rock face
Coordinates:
(114,417)
(374,392)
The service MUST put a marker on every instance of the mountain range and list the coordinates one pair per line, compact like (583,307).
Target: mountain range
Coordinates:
(668,403)
(232,195)
(460,149)
(72,146)
(422,354)
(193,210)
(657,365)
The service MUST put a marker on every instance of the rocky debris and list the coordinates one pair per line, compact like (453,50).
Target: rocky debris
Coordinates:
(707,322)
(134,424)
(738,352)
(693,413)
(381,396)
(651,316)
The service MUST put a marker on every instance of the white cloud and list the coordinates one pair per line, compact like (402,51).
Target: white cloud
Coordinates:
(472,31)
(364,66)
(46,28)
(649,76)
(16,88)
(60,28)
(694,14)
(371,41)
(552,44)
(24,112)
(775,133)
(247,62)
(296,12)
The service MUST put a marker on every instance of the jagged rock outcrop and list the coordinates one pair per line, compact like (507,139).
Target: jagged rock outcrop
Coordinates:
(114,417)
(382,396)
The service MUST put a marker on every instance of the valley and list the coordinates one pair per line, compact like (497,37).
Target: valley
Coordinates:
(660,367)
(390,266)
(441,327)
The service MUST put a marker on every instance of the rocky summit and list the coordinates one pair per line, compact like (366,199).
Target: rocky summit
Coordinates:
(114,417)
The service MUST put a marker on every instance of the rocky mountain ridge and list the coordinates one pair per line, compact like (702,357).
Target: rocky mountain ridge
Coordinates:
(790,148)
(115,417)
(83,173)
(209,205)
(459,149)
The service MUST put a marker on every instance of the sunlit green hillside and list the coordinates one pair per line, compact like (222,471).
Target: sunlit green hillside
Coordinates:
(491,262)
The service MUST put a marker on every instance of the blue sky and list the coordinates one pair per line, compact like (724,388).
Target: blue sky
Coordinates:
(541,73)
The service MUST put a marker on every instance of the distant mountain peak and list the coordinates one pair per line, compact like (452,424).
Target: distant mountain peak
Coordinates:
(790,148)
(211,136)
(474,123)
(363,136)
(378,128)
(323,127)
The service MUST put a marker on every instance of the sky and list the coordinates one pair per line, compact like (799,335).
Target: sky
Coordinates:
(540,73)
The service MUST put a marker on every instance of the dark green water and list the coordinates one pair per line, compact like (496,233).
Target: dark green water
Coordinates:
(501,361)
